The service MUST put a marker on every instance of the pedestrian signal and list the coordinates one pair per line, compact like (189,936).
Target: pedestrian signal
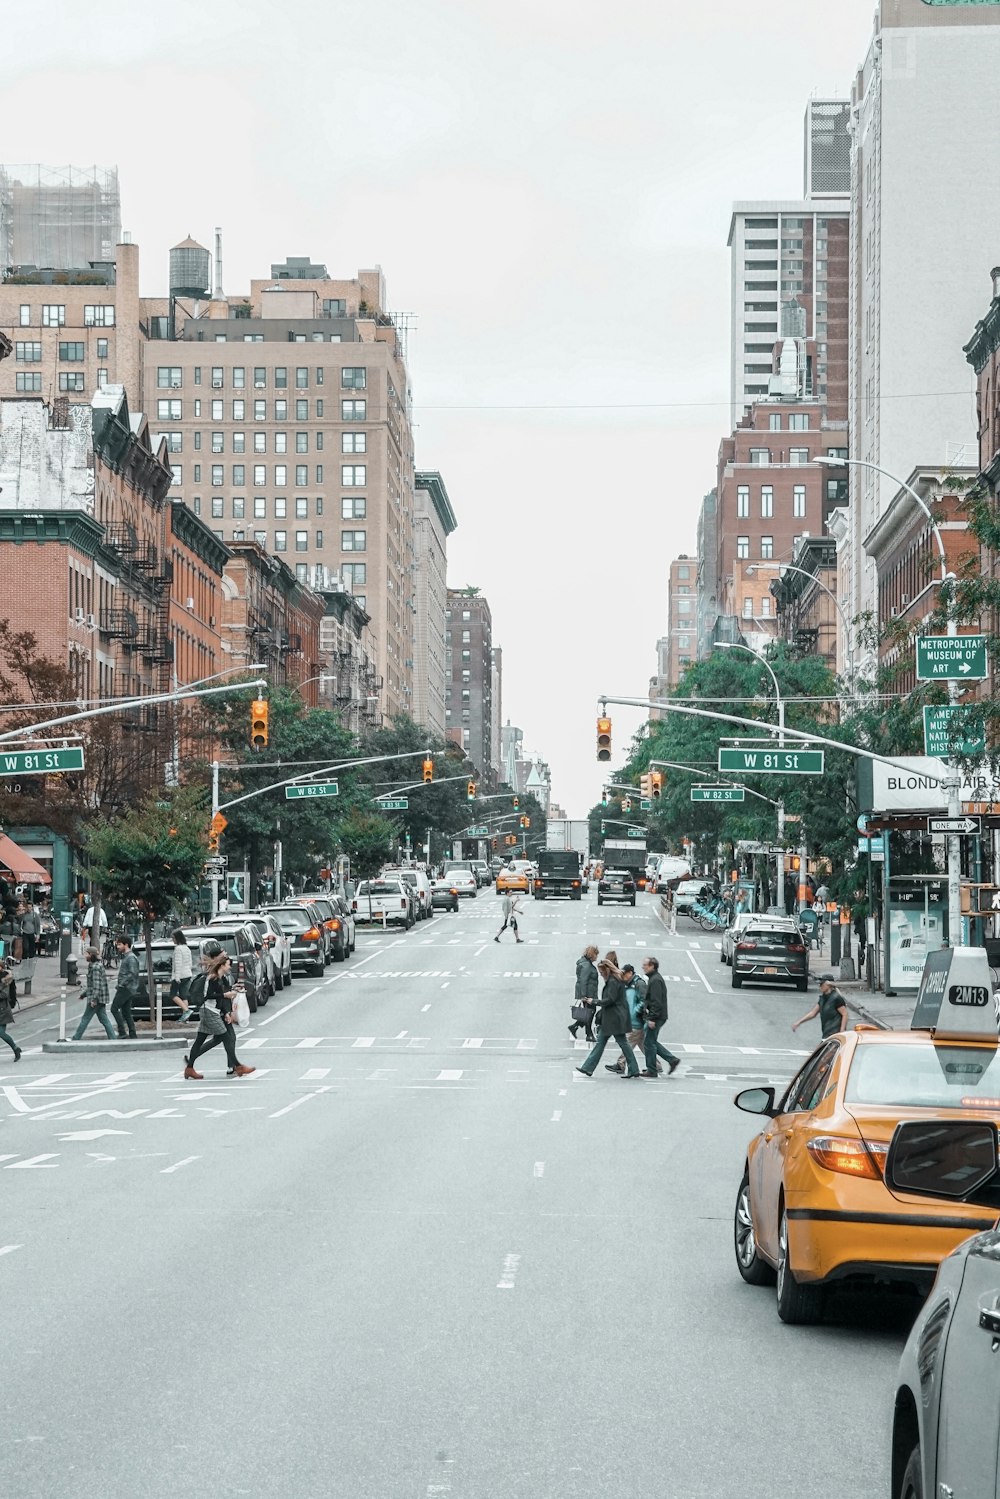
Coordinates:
(258,723)
(604,739)
(428,769)
(656,782)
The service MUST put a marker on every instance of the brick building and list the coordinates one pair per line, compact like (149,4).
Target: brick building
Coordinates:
(197,562)
(805,599)
(469,679)
(269,617)
(682,622)
(351,683)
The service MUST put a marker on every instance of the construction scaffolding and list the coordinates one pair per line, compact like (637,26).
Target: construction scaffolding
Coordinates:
(58,218)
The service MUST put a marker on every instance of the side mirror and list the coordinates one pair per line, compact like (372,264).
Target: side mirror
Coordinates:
(949,1159)
(756,1101)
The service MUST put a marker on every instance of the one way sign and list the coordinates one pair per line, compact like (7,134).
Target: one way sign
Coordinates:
(964,825)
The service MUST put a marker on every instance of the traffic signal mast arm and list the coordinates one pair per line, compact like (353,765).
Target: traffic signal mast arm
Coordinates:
(722,780)
(122,705)
(415,785)
(297,779)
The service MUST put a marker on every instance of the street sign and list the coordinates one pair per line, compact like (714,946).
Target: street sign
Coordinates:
(951,658)
(40,762)
(645,805)
(783,762)
(965,826)
(216,865)
(636,832)
(319,788)
(938,740)
(478,833)
(718,794)
(395,804)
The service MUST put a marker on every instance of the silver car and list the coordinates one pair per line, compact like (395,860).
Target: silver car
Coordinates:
(731,935)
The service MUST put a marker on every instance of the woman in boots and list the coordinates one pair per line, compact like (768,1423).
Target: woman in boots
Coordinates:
(216,1023)
(585,993)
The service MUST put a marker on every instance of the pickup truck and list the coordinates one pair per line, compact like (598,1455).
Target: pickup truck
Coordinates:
(558,874)
(384,901)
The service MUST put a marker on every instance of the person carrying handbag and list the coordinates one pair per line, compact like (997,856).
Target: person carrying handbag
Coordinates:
(215,1024)
(613,1024)
(8,1000)
(585,995)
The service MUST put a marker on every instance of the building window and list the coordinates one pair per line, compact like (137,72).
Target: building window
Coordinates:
(218,475)
(742,547)
(98,315)
(353,475)
(173,440)
(354,442)
(239,475)
(302,572)
(281,410)
(260,537)
(260,411)
(280,507)
(742,501)
(239,377)
(168,376)
(25,315)
(319,410)
(102,378)
(239,410)
(798,421)
(301,508)
(28,381)
(71,379)
(319,442)
(197,473)
(301,378)
(259,475)
(799,501)
(319,473)
(766,548)
(301,411)
(319,538)
(281,541)
(102,348)
(766,501)
(281,442)
(301,475)
(302,541)
(765,608)
(774,419)
(466,637)
(354,574)
(168,411)
(218,442)
(319,504)
(281,378)
(217,503)
(239,507)
(71,353)
(28,353)
(53,315)
(683,606)
(260,442)
(280,475)
(798,456)
(354,378)
(354,411)
(259,507)
(748,608)
(353,507)
(259,377)
(302,442)
(217,410)
(353,541)
(760,456)
(239,442)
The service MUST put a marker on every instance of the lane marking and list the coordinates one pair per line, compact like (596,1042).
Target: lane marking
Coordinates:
(10,1248)
(443,986)
(363,1041)
(563,1092)
(692,1046)
(401,1035)
(315,1074)
(694,965)
(35,1160)
(556,1116)
(298,1102)
(178,1164)
(449,1075)
(539,1168)
(309,1041)
(291,1005)
(423,1008)
(508,1275)
(471,1041)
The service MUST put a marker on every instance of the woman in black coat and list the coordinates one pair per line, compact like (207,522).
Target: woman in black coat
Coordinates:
(614,1023)
(585,993)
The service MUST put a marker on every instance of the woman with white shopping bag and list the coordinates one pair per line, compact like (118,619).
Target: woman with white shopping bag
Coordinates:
(219,1008)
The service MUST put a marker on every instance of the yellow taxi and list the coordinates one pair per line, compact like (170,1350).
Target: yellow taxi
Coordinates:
(812,1207)
(512,879)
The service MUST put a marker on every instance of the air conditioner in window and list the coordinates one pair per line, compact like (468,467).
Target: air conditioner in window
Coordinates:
(893,612)
(189,603)
(91,621)
(216,384)
(79,615)
(906,599)
(175,385)
(259,384)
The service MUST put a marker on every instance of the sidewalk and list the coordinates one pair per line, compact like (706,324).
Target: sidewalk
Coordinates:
(46,984)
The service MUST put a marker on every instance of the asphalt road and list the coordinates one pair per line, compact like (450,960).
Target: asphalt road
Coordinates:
(416,1253)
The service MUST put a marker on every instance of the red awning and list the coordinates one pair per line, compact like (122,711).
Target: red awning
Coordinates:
(21,865)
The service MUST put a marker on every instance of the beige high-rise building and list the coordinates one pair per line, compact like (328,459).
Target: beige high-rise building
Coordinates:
(433,522)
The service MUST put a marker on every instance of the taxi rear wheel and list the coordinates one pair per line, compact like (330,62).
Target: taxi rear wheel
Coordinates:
(912,1486)
(754,1270)
(798,1305)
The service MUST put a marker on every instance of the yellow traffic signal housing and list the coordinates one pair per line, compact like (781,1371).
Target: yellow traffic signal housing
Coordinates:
(626,804)
(646,786)
(517,802)
(604,739)
(259,709)
(470,791)
(656,782)
(428,769)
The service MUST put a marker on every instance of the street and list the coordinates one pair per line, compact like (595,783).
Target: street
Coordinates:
(417,1253)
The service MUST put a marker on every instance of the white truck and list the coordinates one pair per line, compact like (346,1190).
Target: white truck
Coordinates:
(564,834)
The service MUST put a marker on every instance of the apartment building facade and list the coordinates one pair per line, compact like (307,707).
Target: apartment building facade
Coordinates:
(682,620)
(469,683)
(270,617)
(433,522)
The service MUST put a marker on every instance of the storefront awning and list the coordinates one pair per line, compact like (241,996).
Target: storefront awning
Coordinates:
(21,865)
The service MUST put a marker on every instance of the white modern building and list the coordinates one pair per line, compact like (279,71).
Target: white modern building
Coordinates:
(925,231)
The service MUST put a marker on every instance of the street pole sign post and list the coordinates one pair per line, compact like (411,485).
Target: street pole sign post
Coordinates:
(319,788)
(951,658)
(769,761)
(479,833)
(965,825)
(718,794)
(938,733)
(41,762)
(645,805)
(395,804)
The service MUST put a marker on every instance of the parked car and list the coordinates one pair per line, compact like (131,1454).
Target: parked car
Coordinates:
(691,893)
(305,935)
(263,972)
(616,884)
(385,901)
(732,934)
(481,870)
(279,946)
(418,883)
(237,941)
(463,879)
(144,1008)
(444,895)
(770,950)
(342,905)
(332,923)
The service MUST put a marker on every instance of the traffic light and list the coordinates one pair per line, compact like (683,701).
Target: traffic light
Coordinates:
(216,829)
(604,796)
(656,782)
(258,723)
(646,786)
(604,828)
(517,802)
(604,739)
(470,791)
(626,804)
(526,821)
(428,769)
(494,842)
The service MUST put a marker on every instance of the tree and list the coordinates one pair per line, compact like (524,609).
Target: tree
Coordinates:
(151,857)
(368,839)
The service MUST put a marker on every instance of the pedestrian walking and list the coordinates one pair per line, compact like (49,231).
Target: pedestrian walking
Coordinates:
(585,995)
(127,988)
(215,1024)
(614,1022)
(831,1007)
(8,999)
(655,1018)
(97,996)
(860,925)
(635,991)
(181,972)
(30,928)
(511,907)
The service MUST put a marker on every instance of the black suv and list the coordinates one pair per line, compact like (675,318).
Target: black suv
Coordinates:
(616,884)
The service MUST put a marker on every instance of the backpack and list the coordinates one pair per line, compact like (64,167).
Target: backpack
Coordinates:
(196,993)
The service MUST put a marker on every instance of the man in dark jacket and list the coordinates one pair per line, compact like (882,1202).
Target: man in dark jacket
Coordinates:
(127,988)
(656,1019)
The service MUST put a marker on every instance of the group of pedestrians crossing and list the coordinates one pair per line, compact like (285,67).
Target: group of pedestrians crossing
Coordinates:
(630,1009)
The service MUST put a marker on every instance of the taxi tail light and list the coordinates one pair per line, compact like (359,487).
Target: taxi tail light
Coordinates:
(851,1157)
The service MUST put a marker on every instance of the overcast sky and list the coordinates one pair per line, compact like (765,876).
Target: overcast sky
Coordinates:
(547,186)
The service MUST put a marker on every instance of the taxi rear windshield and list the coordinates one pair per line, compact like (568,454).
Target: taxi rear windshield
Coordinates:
(925,1077)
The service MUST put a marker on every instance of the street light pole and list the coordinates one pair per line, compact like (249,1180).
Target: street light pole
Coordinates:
(779,860)
(952,780)
(787,567)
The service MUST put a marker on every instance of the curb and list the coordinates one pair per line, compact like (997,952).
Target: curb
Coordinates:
(866,1015)
(142,1043)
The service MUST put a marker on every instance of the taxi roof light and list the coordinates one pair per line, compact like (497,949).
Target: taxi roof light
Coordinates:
(849,1156)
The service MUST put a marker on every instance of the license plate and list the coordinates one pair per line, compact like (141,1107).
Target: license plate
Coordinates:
(770,970)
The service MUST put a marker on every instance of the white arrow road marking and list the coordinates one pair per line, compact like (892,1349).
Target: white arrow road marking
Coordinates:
(92,1134)
(178,1164)
(298,1102)
(10,1248)
(508,1275)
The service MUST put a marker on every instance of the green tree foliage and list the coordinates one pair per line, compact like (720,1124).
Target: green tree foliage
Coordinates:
(369,839)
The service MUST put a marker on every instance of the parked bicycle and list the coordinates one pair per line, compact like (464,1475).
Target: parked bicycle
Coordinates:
(713,915)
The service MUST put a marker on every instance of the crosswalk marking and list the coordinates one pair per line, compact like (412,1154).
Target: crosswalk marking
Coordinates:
(449,1075)
(315,1074)
(365,1041)
(308,1041)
